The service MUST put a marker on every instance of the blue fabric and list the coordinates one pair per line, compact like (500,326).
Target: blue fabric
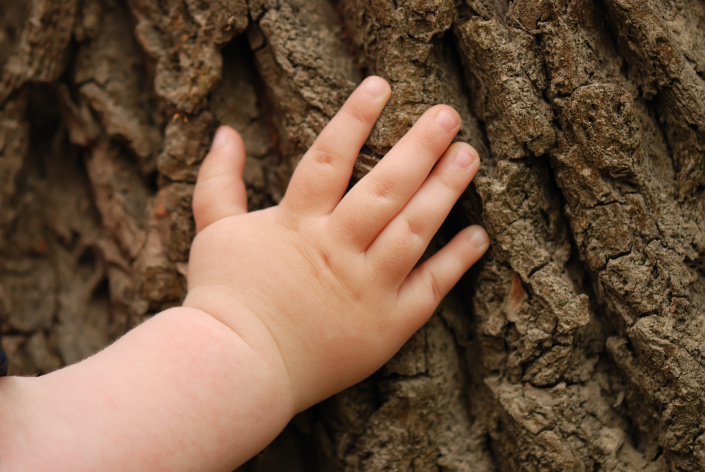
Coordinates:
(3,364)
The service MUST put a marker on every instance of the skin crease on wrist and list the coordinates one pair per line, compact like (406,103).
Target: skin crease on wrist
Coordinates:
(285,307)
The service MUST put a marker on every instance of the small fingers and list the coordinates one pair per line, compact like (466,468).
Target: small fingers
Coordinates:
(426,285)
(379,196)
(403,241)
(220,191)
(323,175)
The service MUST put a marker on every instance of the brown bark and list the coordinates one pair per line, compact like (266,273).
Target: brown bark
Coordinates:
(577,343)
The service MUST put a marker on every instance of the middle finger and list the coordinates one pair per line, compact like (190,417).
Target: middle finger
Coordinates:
(379,196)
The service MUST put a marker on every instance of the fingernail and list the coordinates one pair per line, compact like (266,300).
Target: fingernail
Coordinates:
(447,120)
(374,87)
(464,158)
(221,137)
(478,238)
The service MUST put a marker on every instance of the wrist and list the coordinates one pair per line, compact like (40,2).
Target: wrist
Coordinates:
(246,324)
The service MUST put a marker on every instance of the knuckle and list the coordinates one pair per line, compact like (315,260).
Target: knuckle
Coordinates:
(409,240)
(360,112)
(382,188)
(324,156)
(209,173)
(434,288)
(450,181)
(429,143)
(415,227)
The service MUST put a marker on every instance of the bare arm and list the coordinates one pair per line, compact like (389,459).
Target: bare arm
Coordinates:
(181,392)
(286,306)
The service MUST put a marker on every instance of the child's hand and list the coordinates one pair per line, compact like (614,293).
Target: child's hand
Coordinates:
(326,288)
(319,292)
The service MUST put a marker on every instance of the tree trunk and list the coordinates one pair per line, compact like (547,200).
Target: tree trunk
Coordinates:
(578,343)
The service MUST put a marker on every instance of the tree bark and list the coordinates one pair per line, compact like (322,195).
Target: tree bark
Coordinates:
(578,343)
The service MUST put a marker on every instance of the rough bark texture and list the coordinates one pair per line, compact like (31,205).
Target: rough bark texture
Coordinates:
(577,344)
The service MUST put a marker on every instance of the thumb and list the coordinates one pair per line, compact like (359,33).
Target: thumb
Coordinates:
(220,191)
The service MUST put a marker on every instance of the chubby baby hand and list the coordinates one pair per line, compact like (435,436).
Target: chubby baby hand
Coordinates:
(325,285)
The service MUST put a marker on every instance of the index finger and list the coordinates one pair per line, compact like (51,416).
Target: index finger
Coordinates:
(321,178)
(374,201)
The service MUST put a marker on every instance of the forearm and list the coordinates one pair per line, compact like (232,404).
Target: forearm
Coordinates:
(180,392)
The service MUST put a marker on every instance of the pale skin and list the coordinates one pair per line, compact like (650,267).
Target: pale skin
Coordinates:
(285,307)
